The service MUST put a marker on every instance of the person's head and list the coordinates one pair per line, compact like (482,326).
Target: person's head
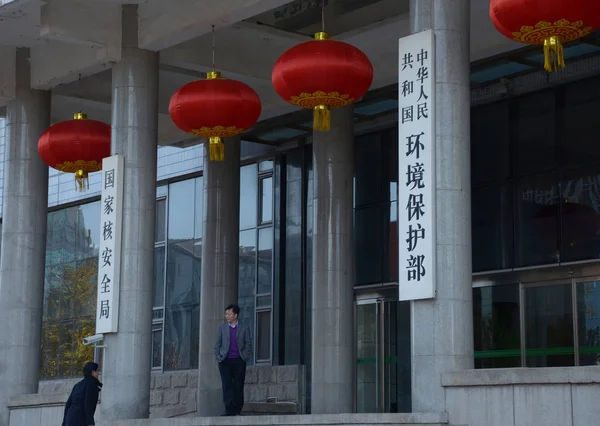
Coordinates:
(91,369)
(231,313)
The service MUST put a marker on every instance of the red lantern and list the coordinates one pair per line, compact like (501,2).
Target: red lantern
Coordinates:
(322,74)
(76,146)
(550,23)
(215,108)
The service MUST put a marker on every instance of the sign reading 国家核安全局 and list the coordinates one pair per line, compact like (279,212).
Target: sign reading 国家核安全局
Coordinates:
(109,260)
(416,174)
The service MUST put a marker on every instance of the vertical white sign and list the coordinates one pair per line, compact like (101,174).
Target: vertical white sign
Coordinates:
(416,174)
(109,261)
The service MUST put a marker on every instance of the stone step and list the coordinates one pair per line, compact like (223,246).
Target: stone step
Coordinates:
(400,419)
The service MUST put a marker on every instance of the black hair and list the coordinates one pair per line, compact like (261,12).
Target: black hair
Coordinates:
(89,367)
(234,308)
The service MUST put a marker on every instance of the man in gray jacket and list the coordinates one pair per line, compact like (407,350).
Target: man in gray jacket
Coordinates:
(233,350)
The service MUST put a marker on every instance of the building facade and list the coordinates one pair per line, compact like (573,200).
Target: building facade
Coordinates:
(314,222)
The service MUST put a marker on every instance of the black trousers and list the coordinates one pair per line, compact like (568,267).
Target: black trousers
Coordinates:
(233,375)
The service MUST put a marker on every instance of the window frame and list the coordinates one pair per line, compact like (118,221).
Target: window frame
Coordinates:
(158,320)
(263,175)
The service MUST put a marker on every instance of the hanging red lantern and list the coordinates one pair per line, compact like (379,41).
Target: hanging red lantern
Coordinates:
(322,74)
(549,23)
(215,108)
(76,146)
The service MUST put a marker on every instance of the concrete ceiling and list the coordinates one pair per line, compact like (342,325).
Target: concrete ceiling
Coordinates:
(75,42)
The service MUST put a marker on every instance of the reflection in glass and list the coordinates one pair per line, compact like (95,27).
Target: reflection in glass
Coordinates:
(247,277)
(265,166)
(580,221)
(580,126)
(496,326)
(369,241)
(588,322)
(536,221)
(368,170)
(156,348)
(366,358)
(265,260)
(182,305)
(490,139)
(69,289)
(534,133)
(549,326)
(160,222)
(263,336)
(158,293)
(266,202)
(248,196)
(182,203)
(492,228)
(199,209)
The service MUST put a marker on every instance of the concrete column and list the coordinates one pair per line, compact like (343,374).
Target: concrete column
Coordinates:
(333,267)
(220,266)
(126,370)
(442,329)
(23,256)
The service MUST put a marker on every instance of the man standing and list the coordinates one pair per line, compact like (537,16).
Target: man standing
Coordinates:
(232,351)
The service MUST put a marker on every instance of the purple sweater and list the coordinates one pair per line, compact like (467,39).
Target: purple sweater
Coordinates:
(234,352)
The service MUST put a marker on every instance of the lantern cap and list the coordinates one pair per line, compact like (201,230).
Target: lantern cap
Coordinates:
(213,75)
(79,116)
(322,35)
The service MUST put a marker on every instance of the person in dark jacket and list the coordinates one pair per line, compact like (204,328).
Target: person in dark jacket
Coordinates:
(81,405)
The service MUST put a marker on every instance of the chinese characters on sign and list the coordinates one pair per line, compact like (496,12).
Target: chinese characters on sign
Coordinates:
(109,261)
(416,186)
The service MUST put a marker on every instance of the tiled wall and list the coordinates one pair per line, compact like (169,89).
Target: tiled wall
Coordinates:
(173,394)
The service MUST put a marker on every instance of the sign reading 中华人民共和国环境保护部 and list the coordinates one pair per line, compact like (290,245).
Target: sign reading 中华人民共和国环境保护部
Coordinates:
(416,182)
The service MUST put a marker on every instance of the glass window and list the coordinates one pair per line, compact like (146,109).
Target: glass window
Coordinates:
(536,221)
(157,347)
(588,322)
(580,221)
(182,302)
(69,289)
(182,305)
(265,261)
(492,224)
(266,200)
(368,225)
(497,326)
(549,326)
(368,170)
(265,166)
(199,208)
(263,336)
(182,202)
(490,139)
(248,196)
(580,125)
(534,133)
(247,277)
(159,277)
(161,221)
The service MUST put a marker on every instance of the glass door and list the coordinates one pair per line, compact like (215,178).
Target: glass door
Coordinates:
(382,356)
(548,325)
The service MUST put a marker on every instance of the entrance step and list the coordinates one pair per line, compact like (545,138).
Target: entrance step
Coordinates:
(400,419)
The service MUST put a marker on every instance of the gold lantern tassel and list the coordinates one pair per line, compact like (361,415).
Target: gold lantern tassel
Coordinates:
(216,148)
(81,181)
(553,54)
(322,118)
